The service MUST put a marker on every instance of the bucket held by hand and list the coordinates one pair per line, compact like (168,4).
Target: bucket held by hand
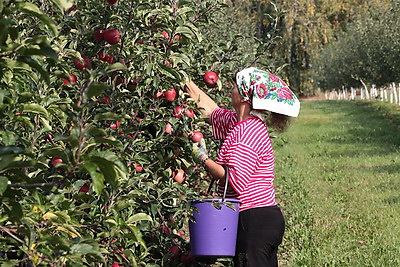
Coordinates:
(213,231)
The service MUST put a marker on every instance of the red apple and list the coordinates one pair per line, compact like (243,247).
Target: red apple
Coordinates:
(159,95)
(189,112)
(170,94)
(168,128)
(210,78)
(55,161)
(81,65)
(133,84)
(105,57)
(115,125)
(119,80)
(197,136)
(187,258)
(177,113)
(112,2)
(179,176)
(71,9)
(105,99)
(98,34)
(175,251)
(165,34)
(112,36)
(115,264)
(166,230)
(138,168)
(72,79)
(84,189)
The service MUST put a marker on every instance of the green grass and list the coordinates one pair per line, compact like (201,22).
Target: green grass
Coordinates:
(338,182)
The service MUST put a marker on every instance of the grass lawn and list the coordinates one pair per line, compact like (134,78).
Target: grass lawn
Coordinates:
(338,182)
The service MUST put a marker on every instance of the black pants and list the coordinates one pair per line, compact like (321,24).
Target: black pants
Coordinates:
(260,232)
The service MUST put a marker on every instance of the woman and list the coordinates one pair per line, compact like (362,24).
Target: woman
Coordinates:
(248,153)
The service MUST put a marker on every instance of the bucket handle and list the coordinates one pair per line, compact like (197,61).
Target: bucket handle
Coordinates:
(226,168)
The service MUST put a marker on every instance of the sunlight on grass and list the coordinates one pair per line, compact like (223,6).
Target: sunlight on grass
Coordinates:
(338,170)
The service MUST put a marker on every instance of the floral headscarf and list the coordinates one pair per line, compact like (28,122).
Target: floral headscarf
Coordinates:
(263,90)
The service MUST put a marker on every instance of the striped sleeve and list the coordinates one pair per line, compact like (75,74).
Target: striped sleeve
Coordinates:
(222,122)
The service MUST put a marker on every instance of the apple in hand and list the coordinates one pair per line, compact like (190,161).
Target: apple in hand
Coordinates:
(179,175)
(210,78)
(112,36)
(170,95)
(197,136)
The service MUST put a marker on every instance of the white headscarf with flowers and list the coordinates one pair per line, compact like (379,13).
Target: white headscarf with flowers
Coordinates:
(265,91)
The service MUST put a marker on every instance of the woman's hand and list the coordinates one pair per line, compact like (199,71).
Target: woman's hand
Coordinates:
(205,104)
(200,150)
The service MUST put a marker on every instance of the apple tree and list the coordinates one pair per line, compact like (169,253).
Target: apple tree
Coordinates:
(96,161)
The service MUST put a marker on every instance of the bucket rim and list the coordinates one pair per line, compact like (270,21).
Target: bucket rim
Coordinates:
(198,200)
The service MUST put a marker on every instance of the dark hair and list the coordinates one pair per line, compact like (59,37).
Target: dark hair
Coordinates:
(274,121)
(278,122)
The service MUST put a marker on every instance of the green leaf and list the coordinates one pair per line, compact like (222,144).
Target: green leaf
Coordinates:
(3,184)
(107,116)
(96,89)
(97,177)
(115,67)
(170,72)
(42,51)
(11,150)
(138,235)
(46,124)
(107,168)
(33,10)
(82,249)
(34,64)
(35,108)
(63,4)
(139,217)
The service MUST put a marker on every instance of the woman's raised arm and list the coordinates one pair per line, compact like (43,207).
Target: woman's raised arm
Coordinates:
(205,104)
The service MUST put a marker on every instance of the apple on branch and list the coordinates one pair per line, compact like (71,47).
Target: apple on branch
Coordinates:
(112,36)
(170,95)
(210,78)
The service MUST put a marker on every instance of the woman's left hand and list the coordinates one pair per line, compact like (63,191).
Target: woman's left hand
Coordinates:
(200,150)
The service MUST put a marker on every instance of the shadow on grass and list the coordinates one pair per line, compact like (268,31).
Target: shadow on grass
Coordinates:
(373,127)
(366,129)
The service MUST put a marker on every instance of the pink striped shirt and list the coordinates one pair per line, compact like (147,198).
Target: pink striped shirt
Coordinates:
(248,152)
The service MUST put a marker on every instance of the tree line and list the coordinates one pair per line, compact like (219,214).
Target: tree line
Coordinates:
(327,44)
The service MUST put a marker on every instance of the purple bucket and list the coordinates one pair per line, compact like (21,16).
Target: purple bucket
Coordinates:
(213,231)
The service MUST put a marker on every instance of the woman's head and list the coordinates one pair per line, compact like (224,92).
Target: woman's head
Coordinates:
(264,91)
